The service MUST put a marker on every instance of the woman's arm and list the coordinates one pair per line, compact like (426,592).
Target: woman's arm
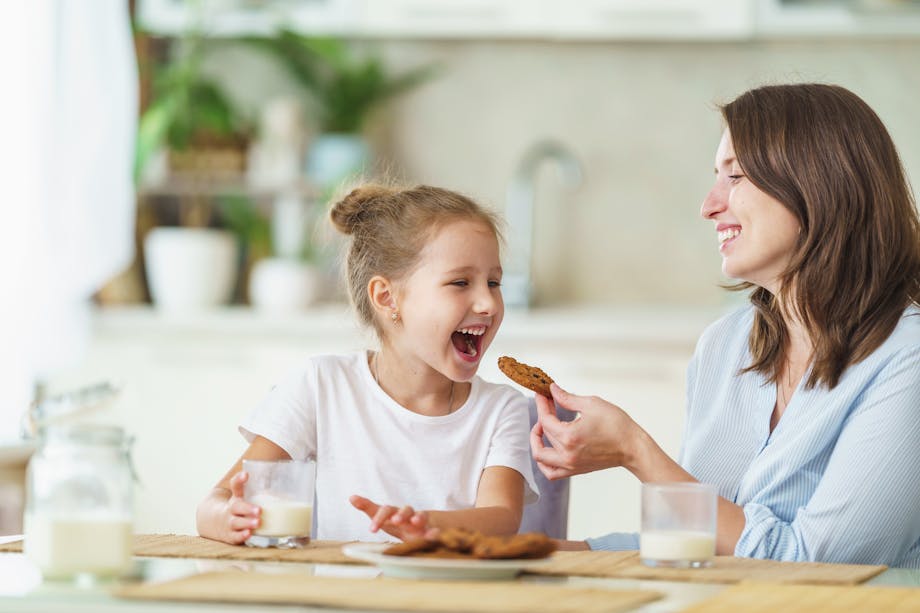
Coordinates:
(224,515)
(605,436)
(498,510)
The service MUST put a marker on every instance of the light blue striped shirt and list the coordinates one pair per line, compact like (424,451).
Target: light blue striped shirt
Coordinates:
(838,480)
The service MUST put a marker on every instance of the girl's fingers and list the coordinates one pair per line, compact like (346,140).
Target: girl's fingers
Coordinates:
(381,516)
(237,483)
(403,515)
(238,537)
(244,523)
(419,519)
(243,508)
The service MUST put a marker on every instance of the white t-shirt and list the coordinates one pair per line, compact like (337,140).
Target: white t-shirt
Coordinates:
(365,443)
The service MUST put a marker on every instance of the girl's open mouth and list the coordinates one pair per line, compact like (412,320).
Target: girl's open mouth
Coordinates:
(468,341)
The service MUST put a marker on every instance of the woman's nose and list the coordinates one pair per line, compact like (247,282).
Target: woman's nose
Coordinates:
(715,201)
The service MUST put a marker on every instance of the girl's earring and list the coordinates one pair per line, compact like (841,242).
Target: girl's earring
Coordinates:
(394,316)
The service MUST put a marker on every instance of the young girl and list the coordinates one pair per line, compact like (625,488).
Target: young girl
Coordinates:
(410,422)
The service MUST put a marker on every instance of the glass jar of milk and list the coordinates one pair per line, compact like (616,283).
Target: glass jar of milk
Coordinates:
(79,501)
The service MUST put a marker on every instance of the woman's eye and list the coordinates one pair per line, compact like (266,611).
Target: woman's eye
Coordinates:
(735,177)
(459,283)
(495,284)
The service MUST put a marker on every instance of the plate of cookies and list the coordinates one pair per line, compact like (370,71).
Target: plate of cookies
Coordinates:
(456,554)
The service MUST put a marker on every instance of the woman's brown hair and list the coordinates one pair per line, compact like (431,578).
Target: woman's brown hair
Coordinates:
(826,156)
(390,227)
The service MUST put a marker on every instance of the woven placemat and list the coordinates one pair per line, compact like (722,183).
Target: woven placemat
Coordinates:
(186,546)
(615,564)
(388,594)
(764,598)
(724,569)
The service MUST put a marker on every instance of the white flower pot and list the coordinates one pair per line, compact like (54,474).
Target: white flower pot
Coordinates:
(280,285)
(190,269)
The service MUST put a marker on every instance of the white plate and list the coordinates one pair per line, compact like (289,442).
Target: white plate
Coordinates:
(408,567)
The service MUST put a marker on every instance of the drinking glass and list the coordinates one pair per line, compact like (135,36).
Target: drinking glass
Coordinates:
(678,524)
(283,489)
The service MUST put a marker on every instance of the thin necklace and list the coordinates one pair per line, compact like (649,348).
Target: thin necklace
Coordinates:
(450,399)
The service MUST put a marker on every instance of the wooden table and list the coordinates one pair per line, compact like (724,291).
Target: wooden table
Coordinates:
(22,589)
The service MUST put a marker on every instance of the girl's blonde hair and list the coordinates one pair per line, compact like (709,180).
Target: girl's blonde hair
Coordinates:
(389,227)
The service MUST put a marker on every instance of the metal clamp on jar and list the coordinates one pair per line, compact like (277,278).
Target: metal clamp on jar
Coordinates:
(79,489)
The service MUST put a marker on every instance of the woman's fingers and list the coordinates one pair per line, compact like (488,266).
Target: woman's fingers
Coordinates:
(553,472)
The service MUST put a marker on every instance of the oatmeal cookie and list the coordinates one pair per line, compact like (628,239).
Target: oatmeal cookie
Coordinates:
(412,547)
(529,545)
(530,377)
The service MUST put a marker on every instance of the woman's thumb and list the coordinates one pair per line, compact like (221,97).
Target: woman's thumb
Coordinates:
(572,402)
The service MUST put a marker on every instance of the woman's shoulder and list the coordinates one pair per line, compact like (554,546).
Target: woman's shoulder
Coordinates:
(905,338)
(729,330)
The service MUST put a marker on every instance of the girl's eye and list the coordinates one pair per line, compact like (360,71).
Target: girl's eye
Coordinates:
(735,177)
(495,284)
(459,283)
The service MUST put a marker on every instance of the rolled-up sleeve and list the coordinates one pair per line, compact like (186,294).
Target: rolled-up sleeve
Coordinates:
(616,541)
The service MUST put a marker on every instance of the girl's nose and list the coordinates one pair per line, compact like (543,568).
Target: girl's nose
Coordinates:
(715,201)
(486,301)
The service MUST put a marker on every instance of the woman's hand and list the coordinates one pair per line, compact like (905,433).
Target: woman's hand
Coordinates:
(404,523)
(603,436)
(227,516)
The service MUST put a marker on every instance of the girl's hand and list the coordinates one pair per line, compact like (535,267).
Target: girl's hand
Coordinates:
(238,518)
(405,523)
(603,436)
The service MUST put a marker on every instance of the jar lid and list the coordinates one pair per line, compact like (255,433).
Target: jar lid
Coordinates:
(64,407)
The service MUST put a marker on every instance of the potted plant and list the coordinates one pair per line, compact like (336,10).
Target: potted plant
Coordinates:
(284,275)
(344,88)
(192,266)
(191,117)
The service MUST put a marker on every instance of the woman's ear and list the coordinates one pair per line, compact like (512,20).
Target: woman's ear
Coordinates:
(382,295)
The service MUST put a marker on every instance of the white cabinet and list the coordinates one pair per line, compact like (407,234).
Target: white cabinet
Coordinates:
(188,382)
(531,19)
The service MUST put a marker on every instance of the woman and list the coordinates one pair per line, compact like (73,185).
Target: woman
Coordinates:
(803,407)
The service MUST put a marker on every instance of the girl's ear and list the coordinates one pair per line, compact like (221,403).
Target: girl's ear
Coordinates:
(382,295)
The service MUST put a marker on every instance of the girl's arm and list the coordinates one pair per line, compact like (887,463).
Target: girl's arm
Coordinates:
(498,510)
(224,515)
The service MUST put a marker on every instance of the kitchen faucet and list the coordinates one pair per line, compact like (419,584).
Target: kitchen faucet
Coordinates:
(517,282)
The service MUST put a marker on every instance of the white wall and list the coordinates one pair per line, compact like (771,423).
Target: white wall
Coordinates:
(641,118)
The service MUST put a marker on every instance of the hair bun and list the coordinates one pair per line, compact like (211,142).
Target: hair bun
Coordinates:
(349,212)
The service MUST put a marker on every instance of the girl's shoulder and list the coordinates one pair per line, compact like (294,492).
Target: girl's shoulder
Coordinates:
(324,368)
(487,393)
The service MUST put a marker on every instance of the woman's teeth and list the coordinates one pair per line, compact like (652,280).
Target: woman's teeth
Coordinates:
(728,234)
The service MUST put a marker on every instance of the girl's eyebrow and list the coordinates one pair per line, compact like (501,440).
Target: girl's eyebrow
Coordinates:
(463,269)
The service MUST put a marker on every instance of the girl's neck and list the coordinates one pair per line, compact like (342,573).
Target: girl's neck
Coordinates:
(416,386)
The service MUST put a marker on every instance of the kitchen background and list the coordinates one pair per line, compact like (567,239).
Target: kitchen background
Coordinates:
(625,273)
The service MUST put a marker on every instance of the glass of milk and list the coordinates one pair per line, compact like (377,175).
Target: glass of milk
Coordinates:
(678,524)
(283,489)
